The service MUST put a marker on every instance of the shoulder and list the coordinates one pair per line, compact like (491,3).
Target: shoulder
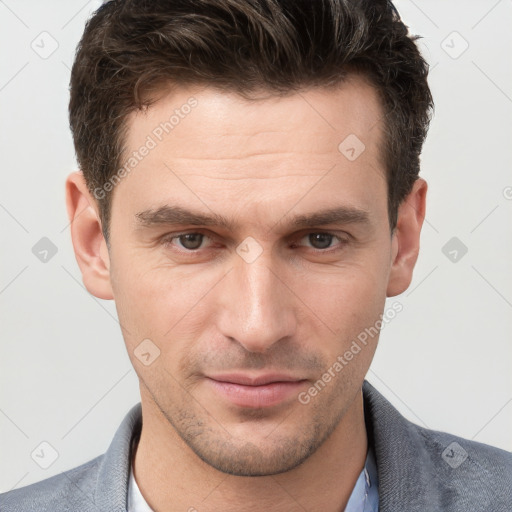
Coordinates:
(70,490)
(465,474)
(478,463)
(456,450)
(432,470)
(97,485)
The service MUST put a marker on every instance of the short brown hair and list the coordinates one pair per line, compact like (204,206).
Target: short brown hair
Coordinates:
(132,48)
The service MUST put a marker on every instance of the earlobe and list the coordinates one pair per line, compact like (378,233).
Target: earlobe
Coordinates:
(88,242)
(406,238)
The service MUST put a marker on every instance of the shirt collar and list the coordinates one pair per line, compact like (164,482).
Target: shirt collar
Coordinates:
(365,495)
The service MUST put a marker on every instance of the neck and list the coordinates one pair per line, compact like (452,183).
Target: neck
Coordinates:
(172,478)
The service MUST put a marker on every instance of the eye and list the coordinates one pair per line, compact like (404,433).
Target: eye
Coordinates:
(322,241)
(187,241)
(192,242)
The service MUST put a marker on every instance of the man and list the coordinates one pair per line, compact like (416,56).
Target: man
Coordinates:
(249,196)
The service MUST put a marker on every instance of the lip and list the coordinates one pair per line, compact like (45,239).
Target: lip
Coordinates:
(255,391)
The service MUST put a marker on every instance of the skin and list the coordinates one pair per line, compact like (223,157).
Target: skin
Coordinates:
(293,309)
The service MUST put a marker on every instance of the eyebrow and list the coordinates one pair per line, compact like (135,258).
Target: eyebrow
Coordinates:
(177,215)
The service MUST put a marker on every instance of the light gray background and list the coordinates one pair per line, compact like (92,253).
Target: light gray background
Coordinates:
(445,361)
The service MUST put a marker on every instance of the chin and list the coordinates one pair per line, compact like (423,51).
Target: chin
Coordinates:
(271,456)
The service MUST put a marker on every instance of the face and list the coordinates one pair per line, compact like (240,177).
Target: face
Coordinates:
(251,250)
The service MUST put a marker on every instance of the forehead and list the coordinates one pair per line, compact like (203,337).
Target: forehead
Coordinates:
(332,113)
(221,150)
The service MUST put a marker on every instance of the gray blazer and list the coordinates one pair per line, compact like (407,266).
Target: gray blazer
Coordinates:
(418,470)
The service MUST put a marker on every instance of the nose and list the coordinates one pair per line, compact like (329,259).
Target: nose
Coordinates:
(257,306)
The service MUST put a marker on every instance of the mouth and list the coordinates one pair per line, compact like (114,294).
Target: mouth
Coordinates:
(255,391)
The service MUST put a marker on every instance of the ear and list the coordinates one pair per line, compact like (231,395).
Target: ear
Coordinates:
(91,250)
(406,238)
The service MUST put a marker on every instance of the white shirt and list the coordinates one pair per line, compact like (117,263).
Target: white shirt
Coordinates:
(136,502)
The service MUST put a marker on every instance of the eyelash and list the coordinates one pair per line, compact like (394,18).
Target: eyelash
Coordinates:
(167,239)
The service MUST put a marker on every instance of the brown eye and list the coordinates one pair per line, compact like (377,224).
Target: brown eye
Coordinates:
(323,242)
(191,241)
(320,240)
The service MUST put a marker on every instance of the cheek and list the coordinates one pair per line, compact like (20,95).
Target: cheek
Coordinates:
(141,298)
(160,303)
(349,303)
